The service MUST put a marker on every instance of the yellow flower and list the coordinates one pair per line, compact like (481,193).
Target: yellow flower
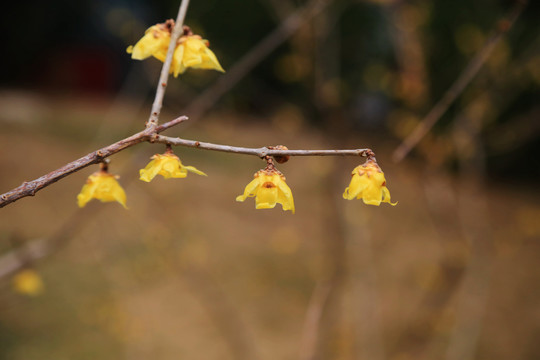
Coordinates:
(155,42)
(191,50)
(167,165)
(269,187)
(102,186)
(368,183)
(28,282)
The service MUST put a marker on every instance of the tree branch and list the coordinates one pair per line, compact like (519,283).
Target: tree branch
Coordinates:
(260,152)
(29,188)
(312,322)
(164,76)
(502,27)
(152,129)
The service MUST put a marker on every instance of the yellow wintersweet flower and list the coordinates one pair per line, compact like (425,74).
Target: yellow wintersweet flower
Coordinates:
(191,50)
(368,183)
(155,42)
(167,165)
(102,186)
(269,187)
(28,282)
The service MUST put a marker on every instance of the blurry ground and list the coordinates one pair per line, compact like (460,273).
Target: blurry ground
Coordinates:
(451,272)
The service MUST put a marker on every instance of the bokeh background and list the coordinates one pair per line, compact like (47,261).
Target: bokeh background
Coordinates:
(451,272)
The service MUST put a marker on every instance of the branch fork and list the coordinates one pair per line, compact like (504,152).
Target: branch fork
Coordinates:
(151,134)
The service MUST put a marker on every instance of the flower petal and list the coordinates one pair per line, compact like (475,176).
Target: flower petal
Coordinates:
(372,194)
(87,191)
(210,61)
(198,56)
(155,42)
(250,189)
(356,187)
(104,187)
(167,165)
(386,196)
(177,64)
(285,196)
(171,168)
(368,183)
(109,190)
(267,195)
(150,171)
(194,170)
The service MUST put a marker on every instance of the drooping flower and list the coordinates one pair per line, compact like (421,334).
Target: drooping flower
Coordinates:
(167,165)
(368,183)
(102,186)
(155,42)
(269,188)
(190,51)
(28,282)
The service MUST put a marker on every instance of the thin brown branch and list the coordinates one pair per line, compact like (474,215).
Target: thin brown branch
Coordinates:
(477,228)
(312,323)
(35,250)
(11,261)
(29,188)
(502,27)
(222,311)
(164,76)
(171,123)
(260,152)
(418,331)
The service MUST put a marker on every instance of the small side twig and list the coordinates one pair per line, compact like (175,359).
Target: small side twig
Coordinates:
(502,27)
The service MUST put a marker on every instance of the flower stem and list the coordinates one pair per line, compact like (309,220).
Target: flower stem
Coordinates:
(164,76)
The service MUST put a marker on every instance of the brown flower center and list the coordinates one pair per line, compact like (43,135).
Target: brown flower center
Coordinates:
(268,185)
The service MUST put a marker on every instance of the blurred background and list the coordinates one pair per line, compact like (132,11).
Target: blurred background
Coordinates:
(451,272)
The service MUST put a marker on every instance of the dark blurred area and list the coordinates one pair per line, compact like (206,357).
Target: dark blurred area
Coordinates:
(371,66)
(450,273)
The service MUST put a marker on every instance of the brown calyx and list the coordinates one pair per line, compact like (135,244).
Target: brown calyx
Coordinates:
(104,165)
(166,26)
(168,150)
(186,31)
